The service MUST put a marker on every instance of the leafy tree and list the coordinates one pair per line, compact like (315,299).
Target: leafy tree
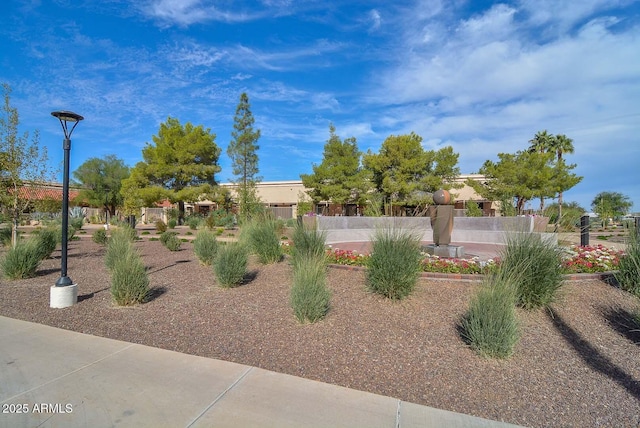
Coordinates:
(339,178)
(521,176)
(405,173)
(21,162)
(244,159)
(610,205)
(180,165)
(101,181)
(558,145)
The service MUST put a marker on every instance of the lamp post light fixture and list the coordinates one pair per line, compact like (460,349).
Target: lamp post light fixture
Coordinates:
(65,293)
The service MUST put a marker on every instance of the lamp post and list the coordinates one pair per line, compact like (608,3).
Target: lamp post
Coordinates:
(65,293)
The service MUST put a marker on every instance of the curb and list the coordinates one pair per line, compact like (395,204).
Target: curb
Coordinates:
(601,276)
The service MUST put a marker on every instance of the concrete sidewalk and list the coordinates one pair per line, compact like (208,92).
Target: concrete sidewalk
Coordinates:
(51,377)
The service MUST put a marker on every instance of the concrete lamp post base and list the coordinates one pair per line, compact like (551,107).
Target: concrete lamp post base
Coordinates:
(63,297)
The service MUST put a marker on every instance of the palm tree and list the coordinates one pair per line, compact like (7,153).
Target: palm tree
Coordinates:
(561,144)
(542,142)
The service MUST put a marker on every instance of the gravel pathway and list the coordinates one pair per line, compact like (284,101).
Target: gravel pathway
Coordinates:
(576,365)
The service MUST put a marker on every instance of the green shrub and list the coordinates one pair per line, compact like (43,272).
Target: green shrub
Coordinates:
(46,241)
(307,243)
(172,243)
(161,226)
(166,236)
(193,222)
(230,264)
(628,274)
(473,209)
(535,266)
(310,296)
(261,237)
(394,264)
(118,246)
(129,280)
(172,223)
(125,232)
(21,261)
(76,222)
(5,236)
(100,236)
(205,246)
(219,218)
(490,325)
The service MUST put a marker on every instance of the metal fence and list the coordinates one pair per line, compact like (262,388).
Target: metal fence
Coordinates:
(282,212)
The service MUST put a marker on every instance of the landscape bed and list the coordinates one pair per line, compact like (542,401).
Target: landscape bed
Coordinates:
(576,365)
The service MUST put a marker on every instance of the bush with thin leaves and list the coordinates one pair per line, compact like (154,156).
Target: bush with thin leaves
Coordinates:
(21,261)
(46,241)
(5,236)
(161,226)
(490,326)
(117,247)
(100,237)
(628,274)
(129,279)
(310,296)
(260,235)
(308,243)
(205,247)
(76,222)
(230,264)
(172,243)
(166,236)
(394,265)
(535,266)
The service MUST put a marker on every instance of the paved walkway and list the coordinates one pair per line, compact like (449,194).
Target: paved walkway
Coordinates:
(57,378)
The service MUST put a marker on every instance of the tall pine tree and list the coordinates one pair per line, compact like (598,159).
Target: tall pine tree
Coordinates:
(244,158)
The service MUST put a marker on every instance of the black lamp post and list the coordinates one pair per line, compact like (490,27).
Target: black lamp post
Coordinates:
(65,117)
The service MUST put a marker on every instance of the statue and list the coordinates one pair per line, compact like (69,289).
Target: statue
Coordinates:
(441,215)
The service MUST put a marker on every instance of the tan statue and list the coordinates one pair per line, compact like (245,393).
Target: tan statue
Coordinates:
(441,217)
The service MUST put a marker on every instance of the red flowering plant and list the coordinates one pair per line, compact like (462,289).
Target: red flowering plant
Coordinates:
(337,256)
(590,259)
(463,266)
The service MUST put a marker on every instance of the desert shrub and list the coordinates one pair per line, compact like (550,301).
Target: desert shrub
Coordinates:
(394,264)
(490,326)
(129,279)
(205,246)
(161,226)
(166,236)
(125,232)
(76,222)
(100,236)
(535,266)
(5,236)
(307,243)
(628,274)
(260,235)
(118,246)
(21,261)
(230,264)
(46,241)
(172,243)
(219,218)
(310,296)
(193,222)
(172,223)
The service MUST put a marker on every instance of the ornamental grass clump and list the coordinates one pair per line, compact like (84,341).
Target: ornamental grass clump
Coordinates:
(46,241)
(117,247)
(129,279)
(205,246)
(100,237)
(308,243)
(171,241)
(260,235)
(490,326)
(628,274)
(394,264)
(230,264)
(535,266)
(310,296)
(21,261)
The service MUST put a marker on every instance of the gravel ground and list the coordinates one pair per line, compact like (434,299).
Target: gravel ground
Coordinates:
(576,365)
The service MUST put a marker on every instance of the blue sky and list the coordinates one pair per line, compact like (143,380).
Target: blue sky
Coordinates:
(480,76)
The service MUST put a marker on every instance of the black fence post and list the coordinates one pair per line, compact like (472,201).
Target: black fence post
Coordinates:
(584,231)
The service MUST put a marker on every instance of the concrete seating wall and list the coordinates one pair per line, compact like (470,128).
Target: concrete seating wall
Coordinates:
(489,230)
